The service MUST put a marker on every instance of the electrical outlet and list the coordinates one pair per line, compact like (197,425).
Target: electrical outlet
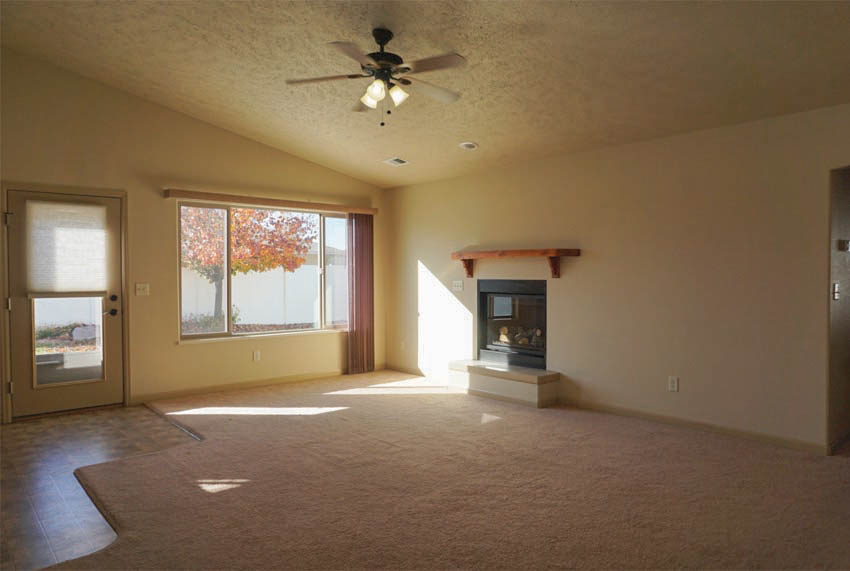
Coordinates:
(256,355)
(143,289)
(673,384)
(457,285)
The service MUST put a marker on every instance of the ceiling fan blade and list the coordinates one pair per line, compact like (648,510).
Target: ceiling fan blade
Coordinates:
(433,91)
(444,61)
(355,53)
(326,78)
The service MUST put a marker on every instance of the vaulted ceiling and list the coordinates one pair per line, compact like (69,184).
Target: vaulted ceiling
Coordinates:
(542,77)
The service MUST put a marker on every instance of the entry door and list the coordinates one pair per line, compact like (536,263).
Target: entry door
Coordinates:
(65,289)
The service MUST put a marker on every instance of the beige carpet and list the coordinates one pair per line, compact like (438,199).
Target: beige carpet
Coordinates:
(345,473)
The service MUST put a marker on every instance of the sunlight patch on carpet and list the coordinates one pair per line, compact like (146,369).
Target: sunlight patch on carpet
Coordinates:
(437,390)
(261,410)
(216,486)
(419,383)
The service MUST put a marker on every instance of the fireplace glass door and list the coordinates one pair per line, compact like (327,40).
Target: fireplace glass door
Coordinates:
(516,322)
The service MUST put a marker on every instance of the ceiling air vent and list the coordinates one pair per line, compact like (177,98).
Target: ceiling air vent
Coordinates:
(396,162)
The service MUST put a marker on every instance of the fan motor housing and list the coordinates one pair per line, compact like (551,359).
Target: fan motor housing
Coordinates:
(386,59)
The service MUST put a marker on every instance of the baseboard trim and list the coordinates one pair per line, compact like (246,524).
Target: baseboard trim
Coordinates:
(146,398)
(778,440)
(42,415)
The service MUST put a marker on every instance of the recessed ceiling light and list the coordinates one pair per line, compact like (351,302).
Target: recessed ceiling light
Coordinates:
(468,145)
(396,162)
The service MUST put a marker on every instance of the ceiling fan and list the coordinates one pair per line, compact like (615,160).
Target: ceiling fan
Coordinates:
(389,72)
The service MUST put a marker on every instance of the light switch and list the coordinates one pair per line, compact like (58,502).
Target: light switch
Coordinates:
(143,289)
(457,285)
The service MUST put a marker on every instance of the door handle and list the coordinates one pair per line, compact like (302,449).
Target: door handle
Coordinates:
(111,312)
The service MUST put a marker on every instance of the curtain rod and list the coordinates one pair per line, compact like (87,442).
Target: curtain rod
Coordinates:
(264,201)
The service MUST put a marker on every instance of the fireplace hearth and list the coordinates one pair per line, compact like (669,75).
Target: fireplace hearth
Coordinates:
(512,322)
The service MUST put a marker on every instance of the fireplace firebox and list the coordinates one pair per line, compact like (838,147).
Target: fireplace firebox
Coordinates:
(512,322)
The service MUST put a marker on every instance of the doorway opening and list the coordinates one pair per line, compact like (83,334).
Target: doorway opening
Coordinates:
(838,395)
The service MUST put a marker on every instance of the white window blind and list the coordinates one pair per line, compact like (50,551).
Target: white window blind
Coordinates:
(67,246)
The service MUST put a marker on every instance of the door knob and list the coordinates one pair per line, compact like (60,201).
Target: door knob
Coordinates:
(111,312)
(113,297)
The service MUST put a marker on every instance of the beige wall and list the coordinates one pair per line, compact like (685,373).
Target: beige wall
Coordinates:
(704,256)
(61,129)
(839,314)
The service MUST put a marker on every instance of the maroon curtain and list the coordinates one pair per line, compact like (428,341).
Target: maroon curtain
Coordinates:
(361,297)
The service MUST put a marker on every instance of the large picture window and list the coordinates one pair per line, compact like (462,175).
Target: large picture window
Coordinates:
(336,273)
(260,270)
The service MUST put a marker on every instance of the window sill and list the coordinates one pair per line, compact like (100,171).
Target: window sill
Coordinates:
(244,336)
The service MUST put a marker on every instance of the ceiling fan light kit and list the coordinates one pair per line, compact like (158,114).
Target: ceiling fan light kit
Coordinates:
(377,90)
(368,101)
(389,72)
(398,95)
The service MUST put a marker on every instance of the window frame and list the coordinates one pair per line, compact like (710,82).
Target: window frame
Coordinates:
(229,333)
(323,272)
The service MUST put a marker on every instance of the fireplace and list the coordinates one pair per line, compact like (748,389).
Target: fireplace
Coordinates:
(512,322)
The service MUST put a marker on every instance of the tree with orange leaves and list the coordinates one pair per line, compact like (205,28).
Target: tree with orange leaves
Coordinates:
(260,240)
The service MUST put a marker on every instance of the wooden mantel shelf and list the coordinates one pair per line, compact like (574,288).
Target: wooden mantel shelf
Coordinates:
(554,255)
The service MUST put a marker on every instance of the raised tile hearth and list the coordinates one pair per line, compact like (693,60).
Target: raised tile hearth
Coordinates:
(524,385)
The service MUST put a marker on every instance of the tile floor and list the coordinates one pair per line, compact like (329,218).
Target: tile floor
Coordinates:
(46,515)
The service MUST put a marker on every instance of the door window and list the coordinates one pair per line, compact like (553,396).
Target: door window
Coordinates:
(68,339)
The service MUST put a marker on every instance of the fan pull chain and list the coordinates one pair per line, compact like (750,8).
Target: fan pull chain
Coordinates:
(384,106)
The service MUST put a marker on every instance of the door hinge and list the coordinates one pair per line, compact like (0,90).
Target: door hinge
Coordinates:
(11,388)
(7,217)
(8,304)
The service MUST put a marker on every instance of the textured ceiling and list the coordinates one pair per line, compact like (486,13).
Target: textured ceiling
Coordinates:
(542,78)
